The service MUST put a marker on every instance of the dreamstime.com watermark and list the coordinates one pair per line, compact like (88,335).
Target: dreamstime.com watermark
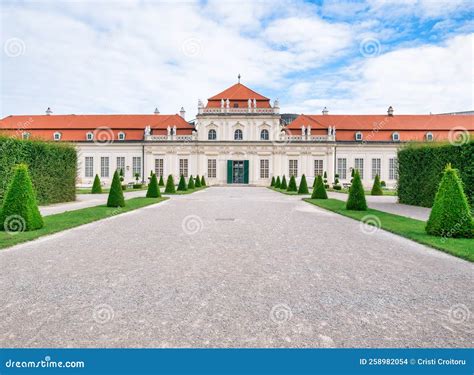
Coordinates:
(44,363)
(281,313)
(192,224)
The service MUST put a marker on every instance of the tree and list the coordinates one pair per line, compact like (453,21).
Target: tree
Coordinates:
(356,200)
(197,182)
(153,188)
(20,210)
(352,175)
(292,184)
(326,185)
(203,181)
(170,189)
(96,186)
(182,184)
(277,183)
(161,183)
(137,177)
(273,181)
(191,183)
(376,189)
(319,191)
(283,184)
(450,215)
(303,189)
(116,198)
(336,185)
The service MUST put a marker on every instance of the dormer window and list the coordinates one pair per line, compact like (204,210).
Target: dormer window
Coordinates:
(57,136)
(236,105)
(90,136)
(121,136)
(429,136)
(358,136)
(395,137)
(25,135)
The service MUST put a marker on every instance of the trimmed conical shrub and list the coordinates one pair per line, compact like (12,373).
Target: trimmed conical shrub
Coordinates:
(277,183)
(376,188)
(283,184)
(161,183)
(116,193)
(20,211)
(182,184)
(273,181)
(197,182)
(292,184)
(356,200)
(96,186)
(153,188)
(203,181)
(170,189)
(303,189)
(191,183)
(319,191)
(450,215)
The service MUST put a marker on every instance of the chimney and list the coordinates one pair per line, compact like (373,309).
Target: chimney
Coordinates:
(390,111)
(156,111)
(48,111)
(325,111)
(182,113)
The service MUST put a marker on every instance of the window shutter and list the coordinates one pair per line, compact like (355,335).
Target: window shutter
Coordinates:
(246,171)
(229,171)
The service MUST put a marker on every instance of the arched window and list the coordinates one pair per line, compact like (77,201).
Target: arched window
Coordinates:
(238,135)
(264,136)
(90,136)
(429,136)
(57,136)
(121,136)
(395,136)
(358,136)
(212,135)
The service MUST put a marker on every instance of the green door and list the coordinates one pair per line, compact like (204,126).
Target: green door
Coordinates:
(246,171)
(229,171)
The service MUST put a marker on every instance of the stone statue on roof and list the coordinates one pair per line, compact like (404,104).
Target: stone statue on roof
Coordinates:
(147,130)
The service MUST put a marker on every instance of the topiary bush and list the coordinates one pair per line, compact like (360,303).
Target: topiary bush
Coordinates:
(319,191)
(421,166)
(52,167)
(326,185)
(277,183)
(20,210)
(451,215)
(170,189)
(191,183)
(197,182)
(356,200)
(283,184)
(272,184)
(182,184)
(203,181)
(292,184)
(153,188)
(303,189)
(376,188)
(336,185)
(96,186)
(115,198)
(161,183)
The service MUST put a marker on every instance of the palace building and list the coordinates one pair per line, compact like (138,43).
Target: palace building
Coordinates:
(238,137)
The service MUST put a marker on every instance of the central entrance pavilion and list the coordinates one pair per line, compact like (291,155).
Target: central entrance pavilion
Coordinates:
(237,171)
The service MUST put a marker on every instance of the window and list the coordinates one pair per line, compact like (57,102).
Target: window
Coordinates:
(392,169)
(57,136)
(264,168)
(359,166)
(358,136)
(89,136)
(236,105)
(293,168)
(429,136)
(25,135)
(342,168)
(211,168)
(264,135)
(183,167)
(375,167)
(89,166)
(121,164)
(238,135)
(104,166)
(121,136)
(318,167)
(137,165)
(212,135)
(159,167)
(395,137)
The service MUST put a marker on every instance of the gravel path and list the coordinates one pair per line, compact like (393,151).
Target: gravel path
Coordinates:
(232,267)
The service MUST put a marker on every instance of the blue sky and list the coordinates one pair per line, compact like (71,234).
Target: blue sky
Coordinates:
(133,56)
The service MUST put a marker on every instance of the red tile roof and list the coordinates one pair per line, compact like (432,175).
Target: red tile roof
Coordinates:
(238,92)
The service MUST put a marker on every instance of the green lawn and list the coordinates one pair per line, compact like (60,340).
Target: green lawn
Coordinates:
(187,191)
(66,220)
(284,191)
(404,226)
(104,190)
(392,193)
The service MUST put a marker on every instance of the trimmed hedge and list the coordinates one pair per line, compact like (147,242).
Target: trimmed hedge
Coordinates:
(356,200)
(197,182)
(421,166)
(203,181)
(161,183)
(272,184)
(153,188)
(283,184)
(377,187)
(52,167)
(20,211)
(170,189)
(182,184)
(303,189)
(277,183)
(96,186)
(191,184)
(116,198)
(319,191)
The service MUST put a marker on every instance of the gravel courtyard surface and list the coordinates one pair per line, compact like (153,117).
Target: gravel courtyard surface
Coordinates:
(232,267)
